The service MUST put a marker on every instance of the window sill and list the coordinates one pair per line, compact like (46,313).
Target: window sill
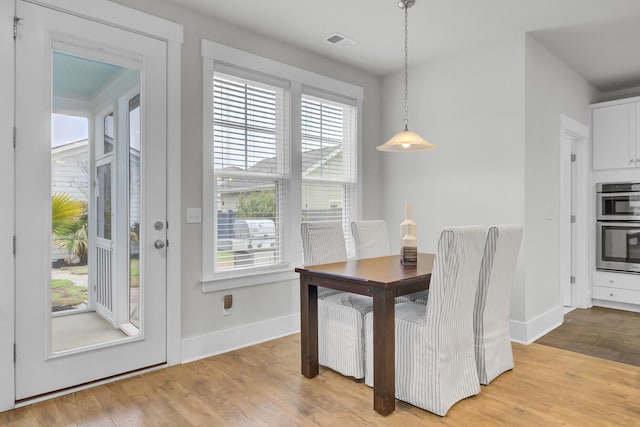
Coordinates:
(259,277)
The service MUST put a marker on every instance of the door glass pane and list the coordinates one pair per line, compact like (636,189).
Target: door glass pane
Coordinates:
(92,243)
(134,211)
(69,222)
(103,201)
(109,134)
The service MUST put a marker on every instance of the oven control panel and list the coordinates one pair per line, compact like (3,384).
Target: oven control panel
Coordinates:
(618,187)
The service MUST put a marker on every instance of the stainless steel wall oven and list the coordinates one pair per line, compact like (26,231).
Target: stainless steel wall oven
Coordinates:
(618,227)
(618,201)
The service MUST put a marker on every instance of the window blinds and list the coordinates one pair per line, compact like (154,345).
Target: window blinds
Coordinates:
(250,138)
(250,121)
(328,160)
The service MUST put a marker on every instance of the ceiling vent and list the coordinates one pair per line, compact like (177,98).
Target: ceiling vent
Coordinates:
(340,40)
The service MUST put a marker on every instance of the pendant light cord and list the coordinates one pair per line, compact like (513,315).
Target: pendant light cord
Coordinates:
(406,67)
(406,140)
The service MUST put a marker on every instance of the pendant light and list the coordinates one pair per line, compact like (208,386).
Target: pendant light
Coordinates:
(406,140)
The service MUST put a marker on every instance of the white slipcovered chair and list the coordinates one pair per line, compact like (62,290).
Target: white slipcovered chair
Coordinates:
(371,238)
(493,302)
(323,243)
(435,358)
(340,314)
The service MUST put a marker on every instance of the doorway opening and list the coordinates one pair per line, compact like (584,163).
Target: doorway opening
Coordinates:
(574,214)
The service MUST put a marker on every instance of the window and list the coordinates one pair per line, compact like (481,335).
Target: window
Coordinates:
(250,141)
(107,143)
(328,161)
(104,159)
(103,201)
(279,147)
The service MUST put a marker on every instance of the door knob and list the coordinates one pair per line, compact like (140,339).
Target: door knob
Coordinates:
(159,244)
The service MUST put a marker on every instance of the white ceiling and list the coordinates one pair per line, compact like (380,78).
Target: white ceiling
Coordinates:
(598,38)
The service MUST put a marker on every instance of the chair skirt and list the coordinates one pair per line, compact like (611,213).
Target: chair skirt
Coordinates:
(425,377)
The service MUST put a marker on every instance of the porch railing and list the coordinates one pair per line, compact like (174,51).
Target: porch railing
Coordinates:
(104,278)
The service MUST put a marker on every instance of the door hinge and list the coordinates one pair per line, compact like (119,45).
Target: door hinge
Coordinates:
(15,26)
(15,136)
(14,245)
(573,219)
(14,353)
(572,280)
(573,157)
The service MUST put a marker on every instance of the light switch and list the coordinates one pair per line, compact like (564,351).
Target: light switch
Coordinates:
(194,215)
(549,213)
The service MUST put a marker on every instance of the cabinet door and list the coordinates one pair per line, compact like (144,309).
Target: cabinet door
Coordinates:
(614,136)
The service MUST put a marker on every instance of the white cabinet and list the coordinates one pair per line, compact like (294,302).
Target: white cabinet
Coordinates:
(616,134)
(618,287)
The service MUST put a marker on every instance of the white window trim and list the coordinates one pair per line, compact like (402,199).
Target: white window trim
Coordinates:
(292,246)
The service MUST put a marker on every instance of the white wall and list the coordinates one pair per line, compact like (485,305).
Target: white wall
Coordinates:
(472,106)
(552,90)
(619,94)
(6,215)
(494,113)
(202,312)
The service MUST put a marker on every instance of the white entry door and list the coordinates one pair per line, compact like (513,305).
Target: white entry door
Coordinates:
(90,201)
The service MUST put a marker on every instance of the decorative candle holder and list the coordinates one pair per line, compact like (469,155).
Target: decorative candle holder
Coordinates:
(409,243)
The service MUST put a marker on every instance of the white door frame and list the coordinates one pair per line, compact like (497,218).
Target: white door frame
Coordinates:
(572,131)
(139,22)
(7,288)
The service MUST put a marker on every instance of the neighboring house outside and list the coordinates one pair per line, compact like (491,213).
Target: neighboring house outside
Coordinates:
(319,201)
(70,170)
(242,234)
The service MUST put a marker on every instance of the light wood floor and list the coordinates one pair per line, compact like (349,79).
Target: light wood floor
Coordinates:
(262,386)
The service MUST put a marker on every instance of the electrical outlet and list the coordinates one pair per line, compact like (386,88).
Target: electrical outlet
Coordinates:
(227,305)
(228,301)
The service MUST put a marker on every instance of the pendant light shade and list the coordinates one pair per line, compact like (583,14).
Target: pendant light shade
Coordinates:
(406,140)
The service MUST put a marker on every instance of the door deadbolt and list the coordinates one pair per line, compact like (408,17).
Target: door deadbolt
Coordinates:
(158,225)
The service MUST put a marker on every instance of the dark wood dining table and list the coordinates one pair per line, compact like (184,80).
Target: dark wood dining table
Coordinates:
(383,279)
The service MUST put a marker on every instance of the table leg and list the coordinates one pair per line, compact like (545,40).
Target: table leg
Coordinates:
(308,327)
(384,357)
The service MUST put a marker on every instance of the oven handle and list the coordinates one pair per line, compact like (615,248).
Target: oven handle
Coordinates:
(630,193)
(624,224)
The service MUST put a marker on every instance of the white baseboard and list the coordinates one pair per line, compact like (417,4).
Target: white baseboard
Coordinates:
(617,305)
(199,347)
(528,332)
